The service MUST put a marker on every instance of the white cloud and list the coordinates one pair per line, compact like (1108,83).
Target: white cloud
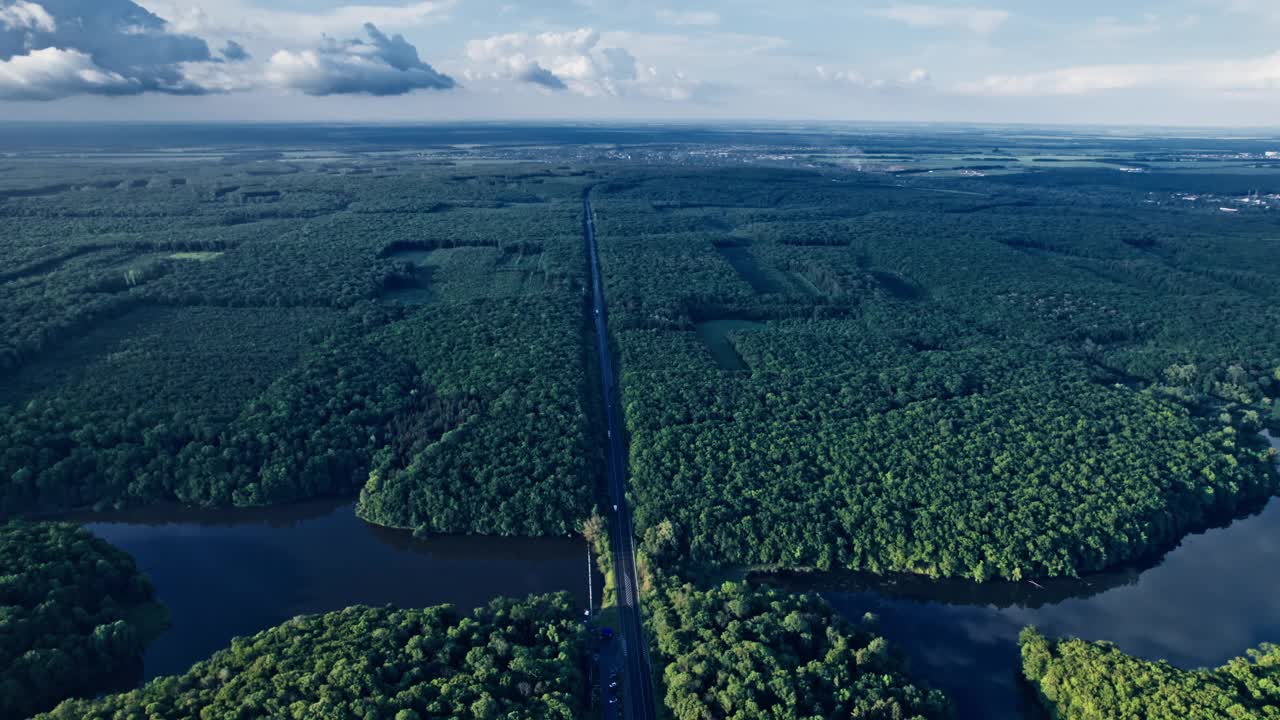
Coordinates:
(974,19)
(917,77)
(1068,81)
(675,86)
(1258,74)
(23,15)
(706,51)
(576,61)
(219,77)
(120,47)
(70,47)
(52,73)
(554,60)
(699,18)
(240,18)
(382,66)
(846,77)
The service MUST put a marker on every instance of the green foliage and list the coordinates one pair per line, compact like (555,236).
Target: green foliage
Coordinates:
(1030,481)
(71,611)
(512,659)
(742,653)
(139,409)
(281,366)
(519,467)
(1078,680)
(937,383)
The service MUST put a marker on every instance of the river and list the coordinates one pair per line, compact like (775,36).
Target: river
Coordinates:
(226,574)
(235,573)
(1206,601)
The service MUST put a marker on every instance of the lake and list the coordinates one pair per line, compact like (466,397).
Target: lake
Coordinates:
(1203,603)
(235,573)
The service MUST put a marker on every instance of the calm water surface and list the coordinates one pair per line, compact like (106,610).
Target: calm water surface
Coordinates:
(1202,604)
(230,574)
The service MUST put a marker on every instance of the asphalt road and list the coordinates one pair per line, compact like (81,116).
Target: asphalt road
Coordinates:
(637,682)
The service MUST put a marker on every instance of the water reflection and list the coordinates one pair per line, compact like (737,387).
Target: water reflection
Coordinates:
(228,574)
(1202,604)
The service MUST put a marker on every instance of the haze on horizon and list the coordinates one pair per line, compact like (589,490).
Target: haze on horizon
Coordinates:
(1178,63)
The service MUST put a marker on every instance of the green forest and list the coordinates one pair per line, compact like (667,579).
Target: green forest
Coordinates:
(511,659)
(856,376)
(75,613)
(1014,376)
(739,653)
(1078,680)
(248,340)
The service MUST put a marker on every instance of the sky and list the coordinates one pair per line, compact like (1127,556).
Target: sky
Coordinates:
(1119,62)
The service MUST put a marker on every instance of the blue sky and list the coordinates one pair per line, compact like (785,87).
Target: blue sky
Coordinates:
(1180,62)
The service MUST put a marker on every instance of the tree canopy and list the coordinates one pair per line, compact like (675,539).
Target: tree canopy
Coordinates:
(511,659)
(1078,680)
(75,613)
(742,653)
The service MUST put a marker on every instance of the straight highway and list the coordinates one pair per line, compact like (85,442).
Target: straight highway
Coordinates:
(637,695)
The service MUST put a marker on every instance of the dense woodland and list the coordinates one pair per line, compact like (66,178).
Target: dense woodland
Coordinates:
(252,335)
(512,659)
(1001,383)
(1017,376)
(1078,680)
(519,464)
(74,616)
(738,653)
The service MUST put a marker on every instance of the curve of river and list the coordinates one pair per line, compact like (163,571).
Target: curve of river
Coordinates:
(235,573)
(1203,603)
